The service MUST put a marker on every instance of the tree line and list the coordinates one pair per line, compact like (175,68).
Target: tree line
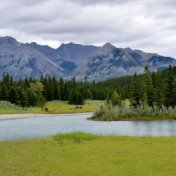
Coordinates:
(32,92)
(149,89)
(154,88)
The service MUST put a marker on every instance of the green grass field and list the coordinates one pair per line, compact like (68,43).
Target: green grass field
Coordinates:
(64,107)
(80,154)
(54,107)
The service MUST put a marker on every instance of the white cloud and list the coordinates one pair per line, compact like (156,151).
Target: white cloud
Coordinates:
(148,25)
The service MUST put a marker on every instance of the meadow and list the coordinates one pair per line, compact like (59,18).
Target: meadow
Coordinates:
(52,107)
(80,154)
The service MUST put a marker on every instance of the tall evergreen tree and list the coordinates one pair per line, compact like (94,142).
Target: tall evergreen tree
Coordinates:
(158,89)
(13,95)
(170,94)
(148,86)
(4,93)
(135,91)
(116,99)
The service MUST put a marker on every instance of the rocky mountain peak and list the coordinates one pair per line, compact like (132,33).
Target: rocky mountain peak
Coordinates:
(33,44)
(108,45)
(128,49)
(8,41)
(84,62)
(106,49)
(75,52)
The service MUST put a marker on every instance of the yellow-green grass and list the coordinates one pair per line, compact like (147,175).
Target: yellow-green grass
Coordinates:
(20,110)
(54,107)
(64,107)
(65,155)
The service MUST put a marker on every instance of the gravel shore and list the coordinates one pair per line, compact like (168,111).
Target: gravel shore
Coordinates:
(24,116)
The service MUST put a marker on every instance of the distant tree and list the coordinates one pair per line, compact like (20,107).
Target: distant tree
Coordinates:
(32,98)
(148,86)
(41,101)
(145,100)
(62,89)
(135,91)
(37,88)
(4,93)
(170,94)
(158,89)
(75,97)
(23,98)
(116,99)
(13,95)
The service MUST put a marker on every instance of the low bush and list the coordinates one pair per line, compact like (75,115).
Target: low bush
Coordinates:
(109,113)
(7,105)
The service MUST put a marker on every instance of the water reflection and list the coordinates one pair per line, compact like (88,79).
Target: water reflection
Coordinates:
(154,128)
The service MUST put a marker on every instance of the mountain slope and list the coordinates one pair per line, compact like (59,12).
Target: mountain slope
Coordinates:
(50,53)
(21,60)
(85,62)
(74,52)
(110,62)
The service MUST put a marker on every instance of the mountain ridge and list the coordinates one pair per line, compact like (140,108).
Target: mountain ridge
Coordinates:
(84,62)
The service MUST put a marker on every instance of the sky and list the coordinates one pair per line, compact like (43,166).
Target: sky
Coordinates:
(149,25)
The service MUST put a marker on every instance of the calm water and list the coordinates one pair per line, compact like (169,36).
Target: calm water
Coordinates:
(37,127)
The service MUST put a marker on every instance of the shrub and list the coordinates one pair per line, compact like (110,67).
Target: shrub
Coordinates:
(7,105)
(110,113)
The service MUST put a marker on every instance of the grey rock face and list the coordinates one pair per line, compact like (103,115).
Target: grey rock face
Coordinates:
(85,62)
(110,62)
(74,52)
(22,60)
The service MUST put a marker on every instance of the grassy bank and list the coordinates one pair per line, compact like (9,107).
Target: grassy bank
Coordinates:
(64,107)
(129,113)
(53,107)
(80,154)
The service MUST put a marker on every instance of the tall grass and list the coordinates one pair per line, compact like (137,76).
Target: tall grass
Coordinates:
(7,104)
(76,137)
(53,107)
(109,113)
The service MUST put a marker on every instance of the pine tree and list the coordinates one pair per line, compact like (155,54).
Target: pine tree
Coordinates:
(116,99)
(4,93)
(158,89)
(41,101)
(23,99)
(148,86)
(75,97)
(13,96)
(145,100)
(170,99)
(135,91)
(62,88)
(32,98)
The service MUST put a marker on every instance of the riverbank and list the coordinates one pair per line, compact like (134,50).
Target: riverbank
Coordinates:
(129,113)
(25,116)
(53,107)
(81,154)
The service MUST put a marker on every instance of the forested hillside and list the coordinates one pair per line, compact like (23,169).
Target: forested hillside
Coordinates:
(151,96)
(31,92)
(156,88)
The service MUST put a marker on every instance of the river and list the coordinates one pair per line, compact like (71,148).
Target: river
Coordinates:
(45,126)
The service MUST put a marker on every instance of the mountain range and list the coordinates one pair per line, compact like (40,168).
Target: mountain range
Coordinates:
(84,62)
